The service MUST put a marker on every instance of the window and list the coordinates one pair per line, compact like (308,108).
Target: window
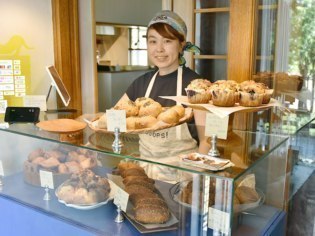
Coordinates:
(138,46)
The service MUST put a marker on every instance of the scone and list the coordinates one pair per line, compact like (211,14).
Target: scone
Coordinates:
(246,194)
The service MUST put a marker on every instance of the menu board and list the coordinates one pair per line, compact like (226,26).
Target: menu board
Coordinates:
(14,80)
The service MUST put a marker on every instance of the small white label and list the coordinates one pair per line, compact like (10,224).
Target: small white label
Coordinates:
(121,198)
(219,220)
(35,101)
(116,119)
(1,169)
(46,179)
(216,125)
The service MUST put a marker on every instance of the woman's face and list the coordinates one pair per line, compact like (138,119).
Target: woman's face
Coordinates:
(163,52)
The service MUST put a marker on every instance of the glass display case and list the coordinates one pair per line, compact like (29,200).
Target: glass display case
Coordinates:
(39,184)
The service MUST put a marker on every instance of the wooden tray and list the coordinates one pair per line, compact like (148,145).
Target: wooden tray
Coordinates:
(61,125)
(158,126)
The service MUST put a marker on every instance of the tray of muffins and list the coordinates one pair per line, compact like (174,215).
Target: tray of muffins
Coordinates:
(145,115)
(224,97)
(148,210)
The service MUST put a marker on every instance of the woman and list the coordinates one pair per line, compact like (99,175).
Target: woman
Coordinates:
(166,40)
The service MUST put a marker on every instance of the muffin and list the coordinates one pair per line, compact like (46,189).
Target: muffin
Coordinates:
(223,97)
(251,94)
(198,91)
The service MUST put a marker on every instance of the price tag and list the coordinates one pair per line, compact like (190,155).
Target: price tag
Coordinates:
(216,125)
(121,198)
(1,169)
(219,220)
(46,179)
(116,119)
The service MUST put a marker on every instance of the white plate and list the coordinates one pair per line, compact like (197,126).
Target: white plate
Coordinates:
(113,189)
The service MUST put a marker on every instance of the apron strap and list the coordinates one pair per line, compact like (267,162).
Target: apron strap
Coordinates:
(179,84)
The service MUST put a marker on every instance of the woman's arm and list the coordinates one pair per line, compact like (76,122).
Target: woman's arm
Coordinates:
(200,122)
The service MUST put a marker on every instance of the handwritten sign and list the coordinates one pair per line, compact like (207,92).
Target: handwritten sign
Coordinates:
(116,119)
(46,179)
(216,125)
(35,101)
(219,221)
(121,198)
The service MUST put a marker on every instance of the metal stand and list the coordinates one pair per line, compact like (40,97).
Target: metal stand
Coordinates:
(119,218)
(214,152)
(117,144)
(47,195)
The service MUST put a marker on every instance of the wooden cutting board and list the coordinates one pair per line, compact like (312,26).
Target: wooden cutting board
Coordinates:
(61,125)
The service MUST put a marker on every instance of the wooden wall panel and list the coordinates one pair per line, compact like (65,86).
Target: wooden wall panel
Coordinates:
(241,44)
(66,48)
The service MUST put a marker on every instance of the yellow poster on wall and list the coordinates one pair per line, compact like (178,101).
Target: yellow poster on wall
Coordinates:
(15,73)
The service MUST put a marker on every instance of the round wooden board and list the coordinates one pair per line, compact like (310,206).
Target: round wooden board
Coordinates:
(61,125)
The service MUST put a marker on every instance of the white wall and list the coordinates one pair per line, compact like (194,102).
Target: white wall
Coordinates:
(31,19)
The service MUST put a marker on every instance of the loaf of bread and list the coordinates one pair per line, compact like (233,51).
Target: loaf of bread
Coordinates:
(148,204)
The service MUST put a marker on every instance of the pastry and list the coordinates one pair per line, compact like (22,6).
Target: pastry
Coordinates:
(151,214)
(102,122)
(140,101)
(129,106)
(150,108)
(246,194)
(84,188)
(146,121)
(131,122)
(169,116)
(131,179)
(223,97)
(133,172)
(198,91)
(180,110)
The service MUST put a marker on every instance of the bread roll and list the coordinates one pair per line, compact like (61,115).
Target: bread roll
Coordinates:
(150,108)
(180,110)
(246,194)
(169,116)
(147,121)
(102,122)
(131,122)
(129,106)
(140,101)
